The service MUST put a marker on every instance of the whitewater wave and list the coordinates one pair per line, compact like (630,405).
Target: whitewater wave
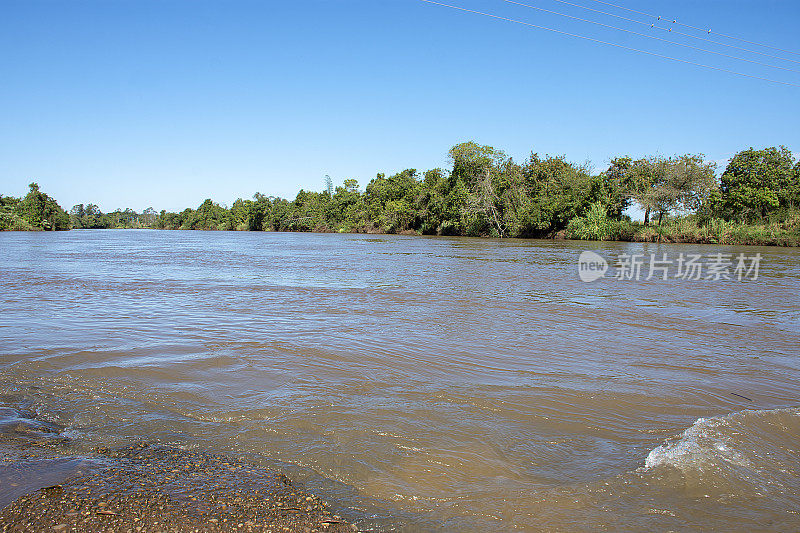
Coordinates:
(703,442)
(754,448)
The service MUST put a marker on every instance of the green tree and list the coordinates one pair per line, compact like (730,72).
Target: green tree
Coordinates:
(553,191)
(168,220)
(238,215)
(347,210)
(473,197)
(41,211)
(76,216)
(208,216)
(389,201)
(9,219)
(758,183)
(125,219)
(430,201)
(614,186)
(665,185)
(149,217)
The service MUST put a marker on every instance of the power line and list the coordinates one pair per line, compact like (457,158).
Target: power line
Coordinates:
(675,21)
(651,36)
(610,44)
(653,26)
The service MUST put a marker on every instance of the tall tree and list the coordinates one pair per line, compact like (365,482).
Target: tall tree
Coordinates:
(477,183)
(665,185)
(757,183)
(613,187)
(41,211)
(554,192)
(389,201)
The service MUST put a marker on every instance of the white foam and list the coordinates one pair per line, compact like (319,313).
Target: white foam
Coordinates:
(703,443)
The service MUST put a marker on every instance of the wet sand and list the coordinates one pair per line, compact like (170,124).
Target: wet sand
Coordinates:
(146,488)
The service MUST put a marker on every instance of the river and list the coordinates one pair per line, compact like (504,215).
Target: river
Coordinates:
(423,383)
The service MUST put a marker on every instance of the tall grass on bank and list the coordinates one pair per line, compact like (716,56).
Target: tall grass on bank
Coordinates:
(596,226)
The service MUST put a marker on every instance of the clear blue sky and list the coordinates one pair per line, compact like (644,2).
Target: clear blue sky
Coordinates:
(141,103)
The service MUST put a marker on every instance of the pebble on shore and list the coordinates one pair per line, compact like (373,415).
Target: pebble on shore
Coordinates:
(146,488)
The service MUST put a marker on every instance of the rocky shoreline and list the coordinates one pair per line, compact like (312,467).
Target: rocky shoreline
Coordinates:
(148,488)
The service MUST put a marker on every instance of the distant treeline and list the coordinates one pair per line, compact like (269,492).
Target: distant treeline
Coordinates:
(486,193)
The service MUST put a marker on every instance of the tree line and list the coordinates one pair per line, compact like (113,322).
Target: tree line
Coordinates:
(484,192)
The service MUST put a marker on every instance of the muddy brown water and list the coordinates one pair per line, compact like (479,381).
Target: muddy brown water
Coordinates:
(420,384)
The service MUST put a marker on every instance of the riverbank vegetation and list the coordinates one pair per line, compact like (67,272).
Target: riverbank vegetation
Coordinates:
(485,193)
(35,212)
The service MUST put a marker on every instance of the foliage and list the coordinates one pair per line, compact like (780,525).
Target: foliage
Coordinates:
(208,216)
(690,229)
(721,231)
(39,211)
(389,201)
(553,192)
(9,219)
(757,184)
(594,226)
(615,186)
(666,185)
(89,217)
(484,192)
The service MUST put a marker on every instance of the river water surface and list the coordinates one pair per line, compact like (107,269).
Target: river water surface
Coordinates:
(422,384)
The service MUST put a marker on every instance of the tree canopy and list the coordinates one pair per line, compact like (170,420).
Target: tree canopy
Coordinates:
(757,184)
(483,192)
(42,212)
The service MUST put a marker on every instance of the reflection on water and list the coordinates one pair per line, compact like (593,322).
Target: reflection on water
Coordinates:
(423,383)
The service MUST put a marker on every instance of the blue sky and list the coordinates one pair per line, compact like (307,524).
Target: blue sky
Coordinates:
(165,103)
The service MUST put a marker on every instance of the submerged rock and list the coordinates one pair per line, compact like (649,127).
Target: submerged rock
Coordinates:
(17,427)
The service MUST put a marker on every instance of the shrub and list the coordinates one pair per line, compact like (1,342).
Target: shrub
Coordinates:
(594,226)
